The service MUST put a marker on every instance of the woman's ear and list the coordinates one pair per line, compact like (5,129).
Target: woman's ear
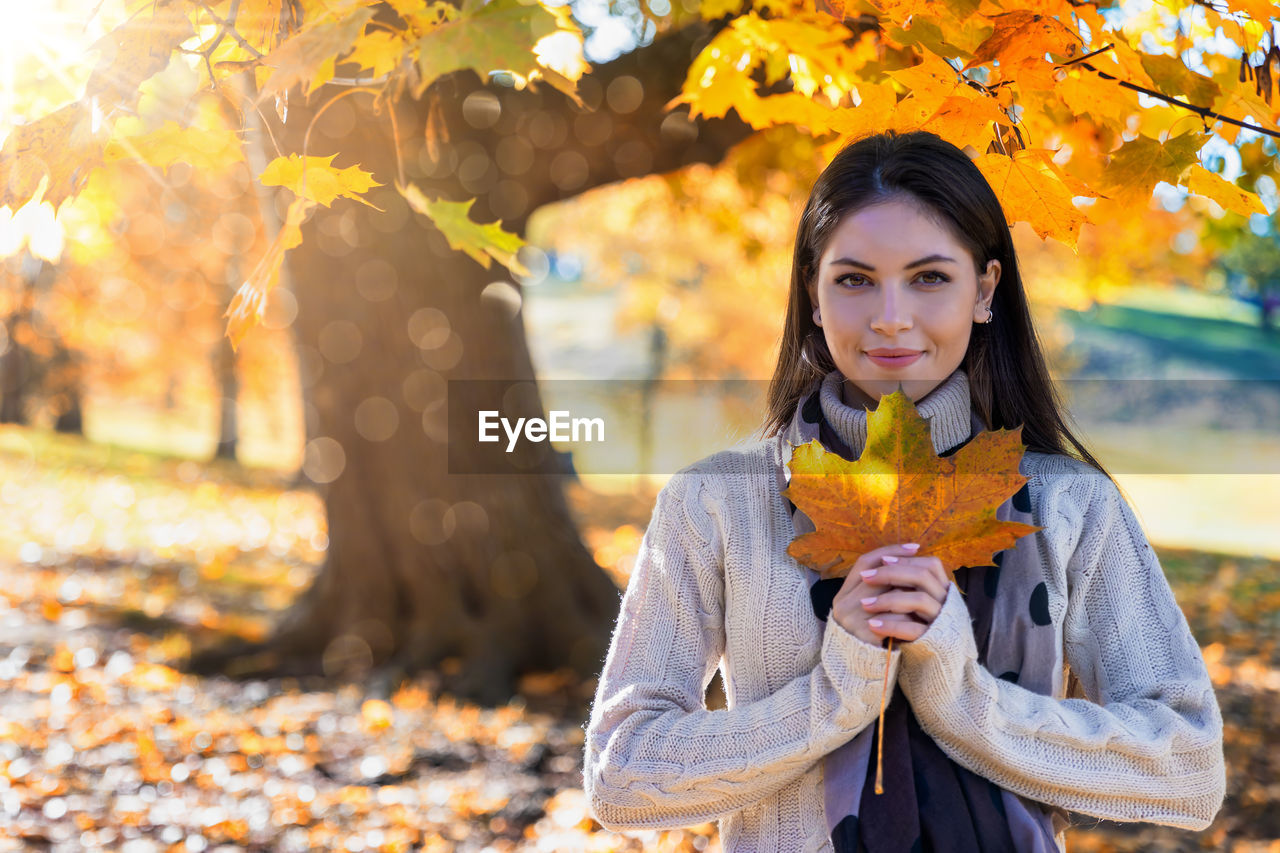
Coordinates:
(988,281)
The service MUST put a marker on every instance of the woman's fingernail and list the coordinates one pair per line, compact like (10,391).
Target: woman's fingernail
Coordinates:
(866,573)
(912,545)
(889,559)
(870,600)
(875,622)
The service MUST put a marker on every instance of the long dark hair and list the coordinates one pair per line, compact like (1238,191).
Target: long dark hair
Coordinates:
(1009,383)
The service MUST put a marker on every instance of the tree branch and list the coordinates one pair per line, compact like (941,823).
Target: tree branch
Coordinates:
(1203,112)
(625,132)
(228,27)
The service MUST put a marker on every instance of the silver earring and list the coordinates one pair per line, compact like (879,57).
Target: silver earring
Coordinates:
(990,314)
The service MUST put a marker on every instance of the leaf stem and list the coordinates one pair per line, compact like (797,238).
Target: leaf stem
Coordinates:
(888,657)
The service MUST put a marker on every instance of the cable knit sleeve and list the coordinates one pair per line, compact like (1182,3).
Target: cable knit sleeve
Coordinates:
(1149,745)
(655,756)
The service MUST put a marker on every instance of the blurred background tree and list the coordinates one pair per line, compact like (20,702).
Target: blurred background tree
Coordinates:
(1253,262)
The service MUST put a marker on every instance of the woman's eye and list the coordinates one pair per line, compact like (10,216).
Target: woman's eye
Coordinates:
(936,278)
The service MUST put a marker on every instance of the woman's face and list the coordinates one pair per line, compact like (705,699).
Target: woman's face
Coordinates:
(892,279)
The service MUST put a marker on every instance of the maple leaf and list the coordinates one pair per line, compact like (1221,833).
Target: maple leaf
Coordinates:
(900,491)
(207,149)
(1030,190)
(481,242)
(134,52)
(1023,35)
(258,24)
(1175,78)
(309,56)
(1212,185)
(498,35)
(317,179)
(379,51)
(61,146)
(1141,163)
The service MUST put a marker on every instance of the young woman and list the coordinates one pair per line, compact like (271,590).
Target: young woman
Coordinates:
(1066,679)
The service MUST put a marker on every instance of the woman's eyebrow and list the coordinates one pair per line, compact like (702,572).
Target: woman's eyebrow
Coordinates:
(928,259)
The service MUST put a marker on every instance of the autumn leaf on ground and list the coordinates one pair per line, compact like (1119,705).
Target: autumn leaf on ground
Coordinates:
(317,179)
(901,491)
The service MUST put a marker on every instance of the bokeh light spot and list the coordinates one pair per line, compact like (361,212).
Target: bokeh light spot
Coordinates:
(376,418)
(324,460)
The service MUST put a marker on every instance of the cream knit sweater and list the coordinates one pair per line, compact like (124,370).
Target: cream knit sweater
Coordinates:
(713,587)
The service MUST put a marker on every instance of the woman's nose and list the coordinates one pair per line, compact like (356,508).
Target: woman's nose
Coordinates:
(893,313)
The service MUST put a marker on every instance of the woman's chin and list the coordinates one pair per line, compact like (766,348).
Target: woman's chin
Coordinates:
(914,389)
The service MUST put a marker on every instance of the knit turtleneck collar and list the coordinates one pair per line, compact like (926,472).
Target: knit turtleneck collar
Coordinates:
(946,408)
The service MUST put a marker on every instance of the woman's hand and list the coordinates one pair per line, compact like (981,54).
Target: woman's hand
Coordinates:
(908,590)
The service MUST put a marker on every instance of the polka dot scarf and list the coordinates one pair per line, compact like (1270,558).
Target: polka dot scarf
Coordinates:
(931,803)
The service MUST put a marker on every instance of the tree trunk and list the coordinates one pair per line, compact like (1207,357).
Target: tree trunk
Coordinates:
(481,577)
(14,373)
(227,401)
(17,370)
(66,379)
(171,392)
(71,420)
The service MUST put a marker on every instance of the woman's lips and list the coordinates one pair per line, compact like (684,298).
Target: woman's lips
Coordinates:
(894,360)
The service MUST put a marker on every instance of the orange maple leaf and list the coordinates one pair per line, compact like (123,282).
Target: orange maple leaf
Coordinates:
(899,490)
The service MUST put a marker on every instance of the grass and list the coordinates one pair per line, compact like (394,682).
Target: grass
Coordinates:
(1188,302)
(114,448)
(1245,351)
